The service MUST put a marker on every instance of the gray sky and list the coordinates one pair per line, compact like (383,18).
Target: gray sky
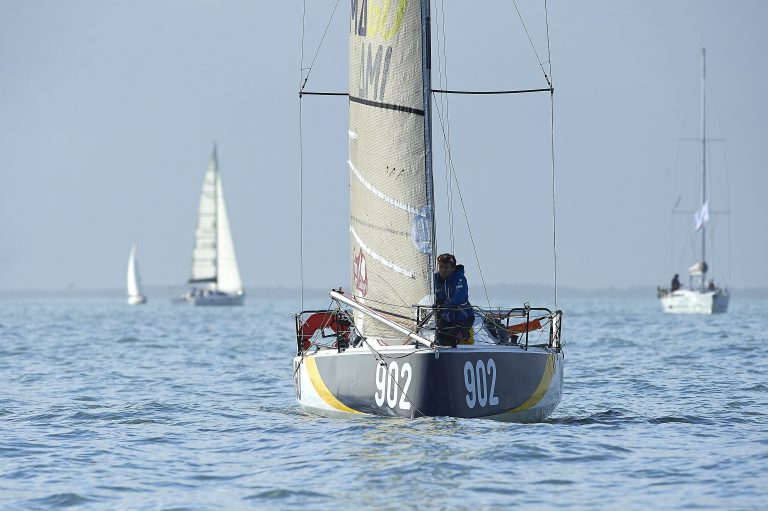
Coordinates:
(108,112)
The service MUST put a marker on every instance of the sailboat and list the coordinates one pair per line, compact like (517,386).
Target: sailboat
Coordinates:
(701,296)
(375,351)
(135,296)
(215,278)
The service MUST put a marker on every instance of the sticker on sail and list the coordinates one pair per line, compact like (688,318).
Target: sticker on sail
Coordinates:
(359,272)
(421,230)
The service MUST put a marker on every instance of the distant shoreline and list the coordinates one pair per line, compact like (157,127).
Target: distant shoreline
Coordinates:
(530,292)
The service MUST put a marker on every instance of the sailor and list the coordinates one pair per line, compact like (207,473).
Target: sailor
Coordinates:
(675,283)
(454,312)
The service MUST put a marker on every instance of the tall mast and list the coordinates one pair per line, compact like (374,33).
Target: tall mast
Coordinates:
(703,162)
(426,70)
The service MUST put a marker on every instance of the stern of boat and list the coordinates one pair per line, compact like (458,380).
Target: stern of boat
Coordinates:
(515,381)
(687,301)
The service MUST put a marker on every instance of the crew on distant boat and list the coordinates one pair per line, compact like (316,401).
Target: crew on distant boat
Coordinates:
(675,283)
(711,285)
(454,312)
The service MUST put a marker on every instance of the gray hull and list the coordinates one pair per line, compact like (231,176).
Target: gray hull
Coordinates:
(219,300)
(211,300)
(505,383)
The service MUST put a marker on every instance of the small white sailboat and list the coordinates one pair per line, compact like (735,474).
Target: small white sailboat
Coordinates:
(376,351)
(701,296)
(135,296)
(215,278)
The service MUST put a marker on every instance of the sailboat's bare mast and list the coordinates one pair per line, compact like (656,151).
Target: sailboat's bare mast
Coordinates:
(426,70)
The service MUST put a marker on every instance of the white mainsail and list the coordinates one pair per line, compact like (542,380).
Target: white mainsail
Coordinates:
(229,274)
(391,224)
(213,256)
(133,279)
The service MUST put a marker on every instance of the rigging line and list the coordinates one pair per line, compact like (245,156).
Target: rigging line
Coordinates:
(445,91)
(371,300)
(466,217)
(303,25)
(491,92)
(301,205)
(533,47)
(301,163)
(443,67)
(549,52)
(552,151)
(317,52)
(305,93)
(298,366)
(727,189)
(448,187)
(380,358)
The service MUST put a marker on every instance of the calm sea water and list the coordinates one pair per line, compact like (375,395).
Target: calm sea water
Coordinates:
(106,406)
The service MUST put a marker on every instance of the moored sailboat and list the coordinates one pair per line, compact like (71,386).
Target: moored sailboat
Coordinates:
(215,278)
(375,352)
(135,296)
(701,296)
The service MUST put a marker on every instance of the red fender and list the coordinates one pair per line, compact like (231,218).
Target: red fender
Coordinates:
(321,321)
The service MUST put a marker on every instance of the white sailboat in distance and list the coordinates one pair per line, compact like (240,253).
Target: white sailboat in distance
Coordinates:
(215,278)
(135,296)
(701,296)
(376,351)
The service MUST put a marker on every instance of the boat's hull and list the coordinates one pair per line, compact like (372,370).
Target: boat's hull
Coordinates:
(686,301)
(498,382)
(221,299)
(212,299)
(136,300)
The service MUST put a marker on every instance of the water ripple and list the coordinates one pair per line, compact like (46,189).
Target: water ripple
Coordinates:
(106,406)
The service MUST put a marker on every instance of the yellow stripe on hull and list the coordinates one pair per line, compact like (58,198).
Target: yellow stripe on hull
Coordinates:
(321,389)
(541,389)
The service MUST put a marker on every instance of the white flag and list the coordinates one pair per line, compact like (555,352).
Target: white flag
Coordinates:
(701,217)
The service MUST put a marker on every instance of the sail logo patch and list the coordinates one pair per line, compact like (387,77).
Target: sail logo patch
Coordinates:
(373,73)
(372,17)
(360,272)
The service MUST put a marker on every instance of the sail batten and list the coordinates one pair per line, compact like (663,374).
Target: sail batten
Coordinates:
(380,194)
(382,260)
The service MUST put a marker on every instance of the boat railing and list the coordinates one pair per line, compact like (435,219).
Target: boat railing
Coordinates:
(534,318)
(498,321)
(311,324)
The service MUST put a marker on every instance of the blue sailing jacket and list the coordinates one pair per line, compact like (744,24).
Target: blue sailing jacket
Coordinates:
(452,296)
